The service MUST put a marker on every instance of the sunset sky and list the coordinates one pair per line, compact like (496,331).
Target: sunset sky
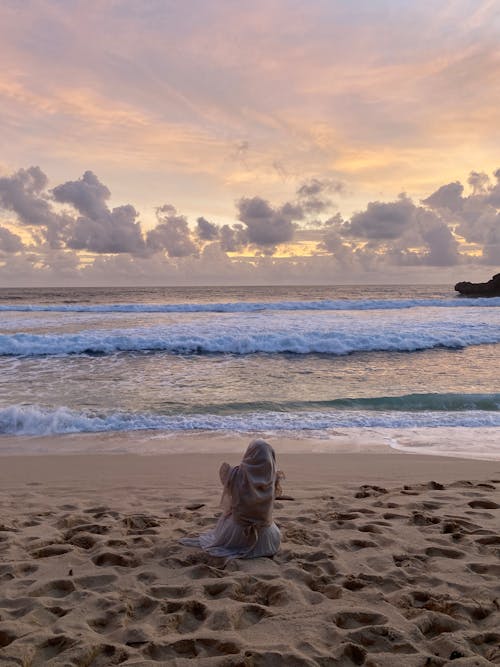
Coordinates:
(222,141)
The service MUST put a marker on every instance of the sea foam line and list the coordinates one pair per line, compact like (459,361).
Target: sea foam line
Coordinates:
(250,307)
(298,336)
(37,420)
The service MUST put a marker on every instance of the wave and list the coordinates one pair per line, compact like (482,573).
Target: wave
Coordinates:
(448,402)
(251,307)
(300,336)
(37,420)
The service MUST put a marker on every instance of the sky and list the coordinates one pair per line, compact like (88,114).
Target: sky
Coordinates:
(227,142)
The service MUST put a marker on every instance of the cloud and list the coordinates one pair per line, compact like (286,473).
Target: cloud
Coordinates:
(267,227)
(99,229)
(232,238)
(10,242)
(171,234)
(316,186)
(205,230)
(115,231)
(312,194)
(384,237)
(475,217)
(381,220)
(88,195)
(399,231)
(478,181)
(441,246)
(447,196)
(23,194)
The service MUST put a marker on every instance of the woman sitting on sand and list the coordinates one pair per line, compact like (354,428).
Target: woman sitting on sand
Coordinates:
(246,528)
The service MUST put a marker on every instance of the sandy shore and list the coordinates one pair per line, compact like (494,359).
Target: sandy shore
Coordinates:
(386,559)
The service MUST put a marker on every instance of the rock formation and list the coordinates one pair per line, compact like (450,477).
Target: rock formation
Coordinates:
(491,288)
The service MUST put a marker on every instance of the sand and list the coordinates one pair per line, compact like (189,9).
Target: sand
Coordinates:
(386,559)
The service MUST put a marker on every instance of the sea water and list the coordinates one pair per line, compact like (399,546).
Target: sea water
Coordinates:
(296,361)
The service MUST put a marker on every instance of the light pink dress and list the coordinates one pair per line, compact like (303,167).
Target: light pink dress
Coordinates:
(246,528)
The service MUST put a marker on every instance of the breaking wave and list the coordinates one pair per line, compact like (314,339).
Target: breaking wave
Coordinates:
(251,307)
(37,420)
(300,336)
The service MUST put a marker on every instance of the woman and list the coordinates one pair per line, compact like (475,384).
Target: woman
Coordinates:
(246,528)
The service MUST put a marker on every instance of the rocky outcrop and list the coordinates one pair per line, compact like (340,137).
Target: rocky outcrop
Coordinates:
(491,288)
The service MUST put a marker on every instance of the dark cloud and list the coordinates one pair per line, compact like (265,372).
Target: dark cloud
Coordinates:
(394,234)
(23,194)
(441,246)
(99,229)
(334,244)
(171,234)
(205,230)
(381,220)
(399,231)
(312,194)
(478,181)
(266,226)
(232,239)
(316,186)
(493,197)
(475,217)
(88,195)
(447,196)
(114,231)
(10,242)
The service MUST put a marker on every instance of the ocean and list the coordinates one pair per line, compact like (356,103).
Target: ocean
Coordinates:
(301,362)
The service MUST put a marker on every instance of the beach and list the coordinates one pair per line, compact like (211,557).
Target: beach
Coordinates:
(117,408)
(386,559)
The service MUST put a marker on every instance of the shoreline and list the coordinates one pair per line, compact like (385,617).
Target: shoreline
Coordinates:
(471,443)
(194,469)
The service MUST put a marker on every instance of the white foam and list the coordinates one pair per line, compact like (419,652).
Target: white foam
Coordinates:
(334,334)
(249,307)
(37,420)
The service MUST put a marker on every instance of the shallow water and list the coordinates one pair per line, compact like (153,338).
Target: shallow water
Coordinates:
(301,361)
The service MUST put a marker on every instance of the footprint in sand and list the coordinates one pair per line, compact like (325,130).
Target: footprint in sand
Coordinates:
(94,528)
(382,639)
(105,623)
(83,540)
(422,519)
(183,617)
(488,645)
(57,588)
(255,658)
(191,648)
(442,552)
(487,569)
(489,540)
(223,620)
(484,504)
(8,634)
(167,592)
(51,550)
(250,589)
(369,491)
(97,582)
(433,623)
(356,545)
(50,648)
(115,559)
(408,560)
(348,620)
